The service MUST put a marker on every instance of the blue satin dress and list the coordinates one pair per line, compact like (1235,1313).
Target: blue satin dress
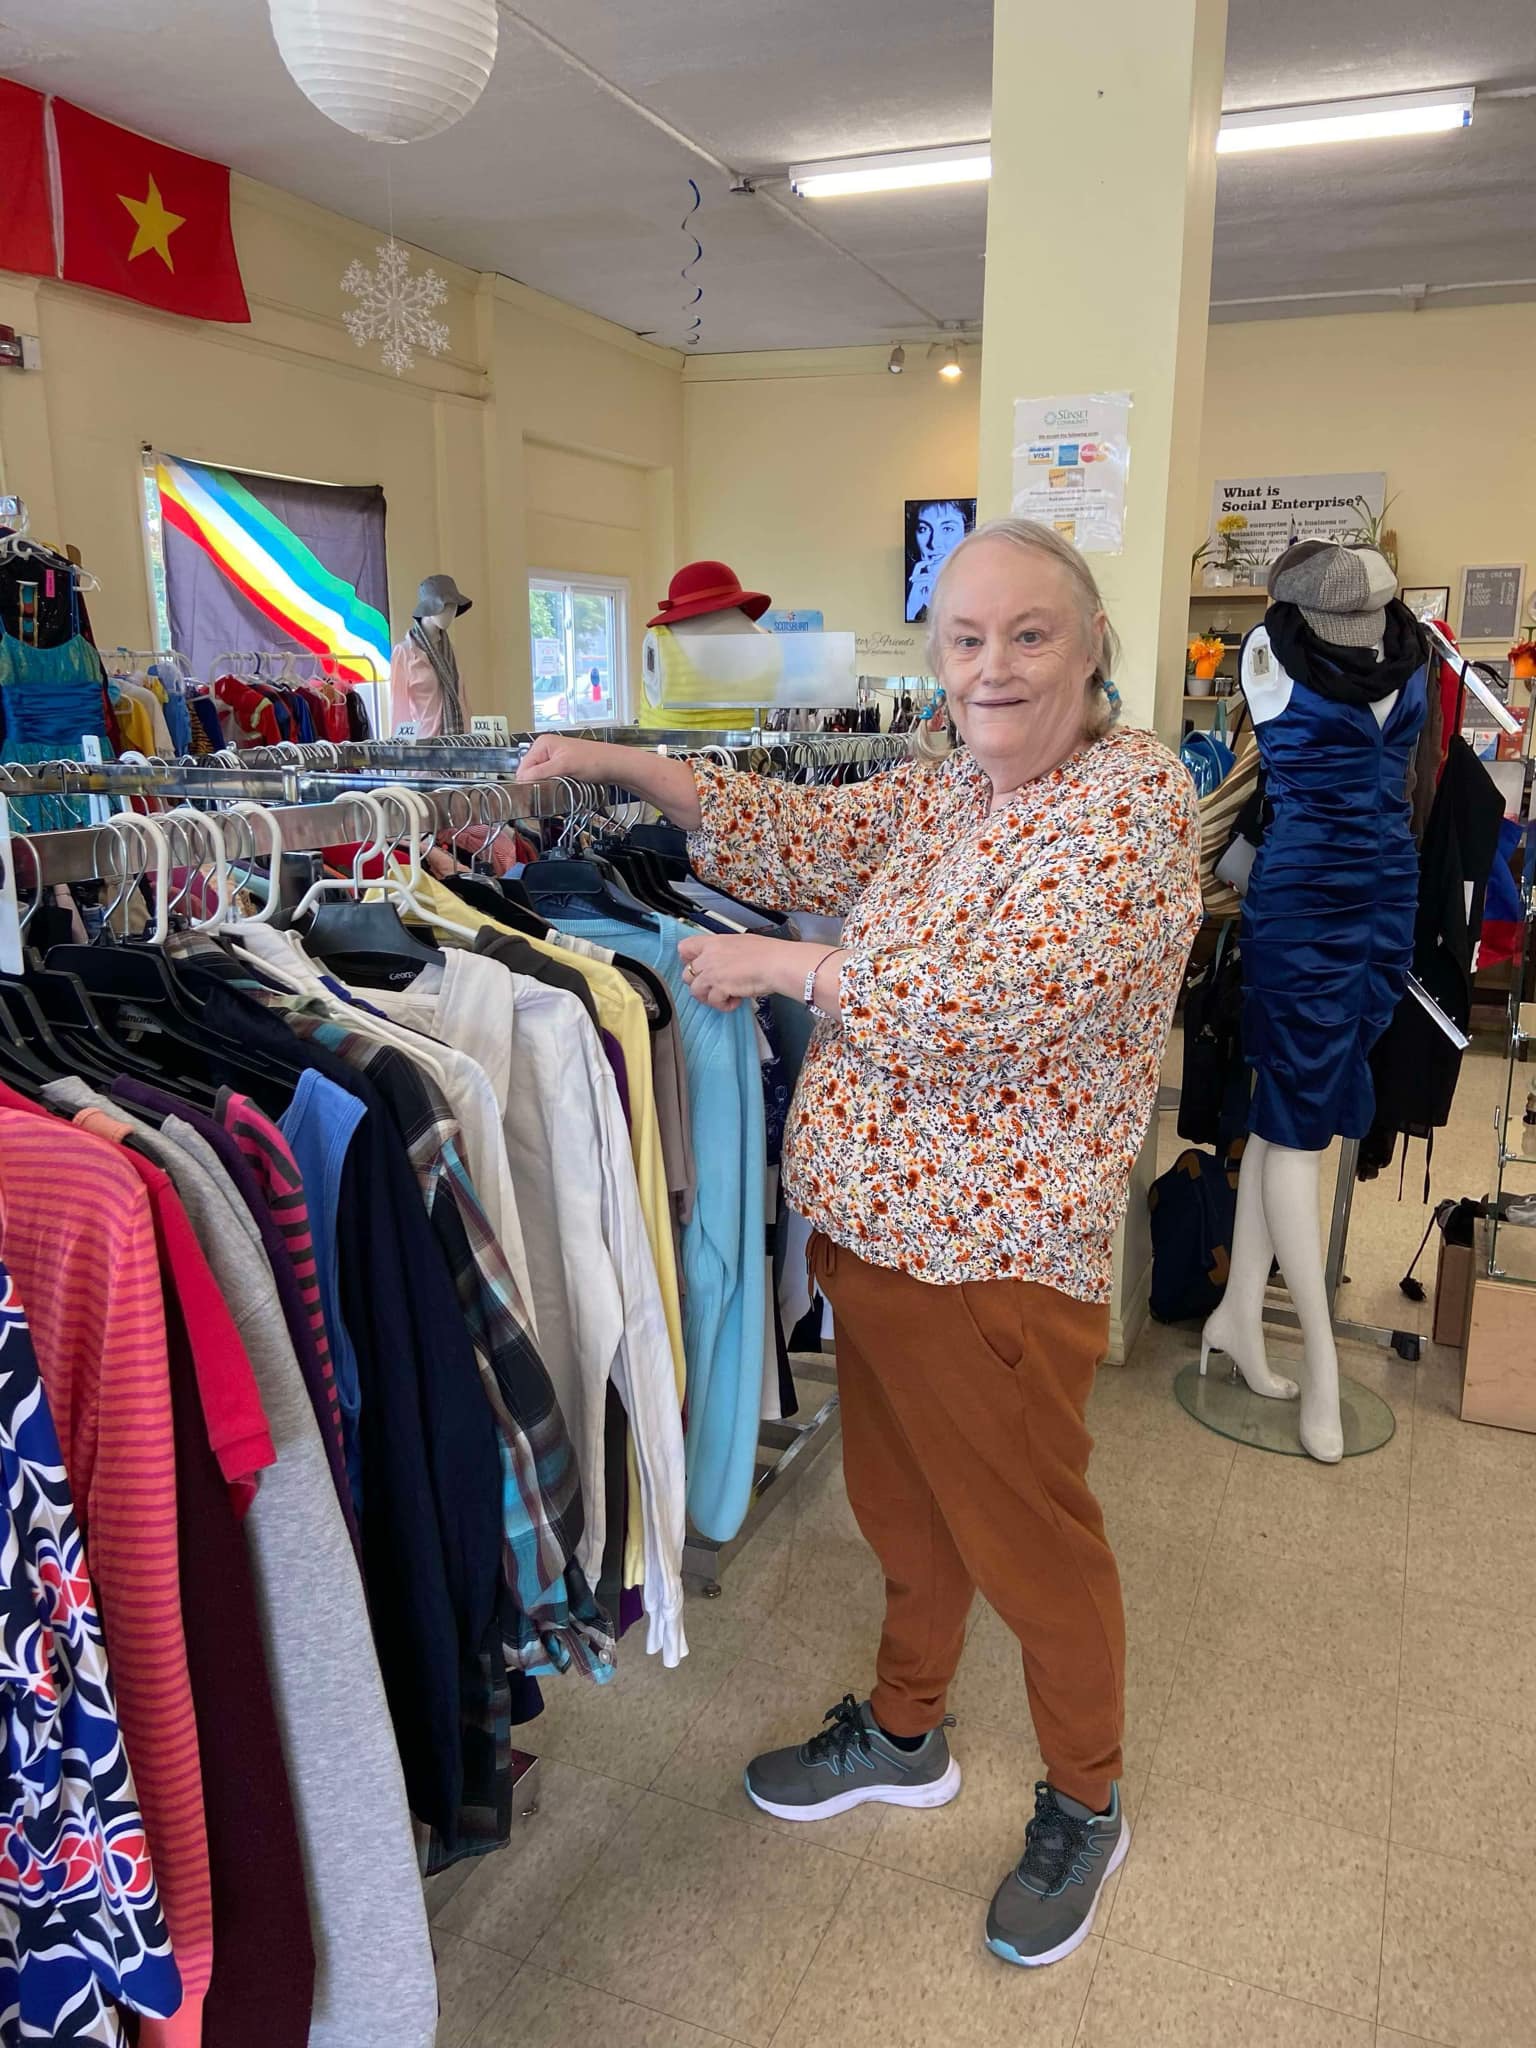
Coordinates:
(1327,925)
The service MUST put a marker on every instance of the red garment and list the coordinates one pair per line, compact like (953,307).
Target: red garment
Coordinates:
(143,220)
(77,1235)
(237,1423)
(271,1159)
(1450,698)
(255,719)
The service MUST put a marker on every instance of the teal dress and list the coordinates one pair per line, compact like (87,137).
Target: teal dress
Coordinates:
(51,699)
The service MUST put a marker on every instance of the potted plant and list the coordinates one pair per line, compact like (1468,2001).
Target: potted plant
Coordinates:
(1225,564)
(1373,531)
(1205,655)
(1522,661)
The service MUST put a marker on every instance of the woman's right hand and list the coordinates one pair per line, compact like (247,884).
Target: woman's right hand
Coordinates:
(666,783)
(554,753)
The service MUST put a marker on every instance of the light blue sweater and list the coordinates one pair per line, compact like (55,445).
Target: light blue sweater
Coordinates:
(723,1244)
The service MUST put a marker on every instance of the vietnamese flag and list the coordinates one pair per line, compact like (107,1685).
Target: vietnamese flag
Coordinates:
(145,221)
(26,216)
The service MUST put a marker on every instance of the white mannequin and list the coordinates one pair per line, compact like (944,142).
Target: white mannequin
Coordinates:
(425,691)
(1277,1206)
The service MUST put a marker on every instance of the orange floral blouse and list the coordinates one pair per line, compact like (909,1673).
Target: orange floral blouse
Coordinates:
(1008,989)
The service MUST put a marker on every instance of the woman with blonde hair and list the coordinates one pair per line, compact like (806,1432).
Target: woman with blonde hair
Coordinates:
(981,1079)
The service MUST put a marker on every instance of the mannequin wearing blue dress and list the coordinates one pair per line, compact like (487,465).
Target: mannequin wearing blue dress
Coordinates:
(1327,937)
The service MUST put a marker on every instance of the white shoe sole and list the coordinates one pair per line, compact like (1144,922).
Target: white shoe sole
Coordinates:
(939,1793)
(1010,1954)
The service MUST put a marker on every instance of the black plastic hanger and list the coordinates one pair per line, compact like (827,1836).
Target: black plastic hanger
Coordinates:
(357,930)
(669,845)
(582,884)
(34,1030)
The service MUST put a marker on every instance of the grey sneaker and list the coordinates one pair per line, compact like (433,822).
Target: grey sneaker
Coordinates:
(850,1762)
(1045,1908)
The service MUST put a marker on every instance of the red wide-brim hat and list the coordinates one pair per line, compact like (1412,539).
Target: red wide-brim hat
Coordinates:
(700,587)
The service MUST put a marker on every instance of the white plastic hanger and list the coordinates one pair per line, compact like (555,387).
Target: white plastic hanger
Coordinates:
(268,911)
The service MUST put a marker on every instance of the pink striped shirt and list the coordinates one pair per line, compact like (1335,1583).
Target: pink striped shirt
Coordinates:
(77,1235)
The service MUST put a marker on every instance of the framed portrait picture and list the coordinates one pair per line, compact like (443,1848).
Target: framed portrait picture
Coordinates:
(1428,600)
(933,527)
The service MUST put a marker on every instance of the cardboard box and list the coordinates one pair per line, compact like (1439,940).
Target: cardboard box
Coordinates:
(1499,1385)
(1453,1293)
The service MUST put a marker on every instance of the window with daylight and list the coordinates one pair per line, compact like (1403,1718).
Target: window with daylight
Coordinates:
(578,628)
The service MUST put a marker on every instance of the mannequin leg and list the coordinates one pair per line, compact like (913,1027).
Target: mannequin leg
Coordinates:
(1290,1189)
(1236,1325)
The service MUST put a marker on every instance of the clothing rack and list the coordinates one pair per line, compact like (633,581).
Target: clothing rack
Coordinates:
(310,807)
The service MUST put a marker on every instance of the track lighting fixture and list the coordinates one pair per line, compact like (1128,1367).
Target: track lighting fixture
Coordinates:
(898,360)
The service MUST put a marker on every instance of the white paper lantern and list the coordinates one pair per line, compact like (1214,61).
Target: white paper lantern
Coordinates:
(389,70)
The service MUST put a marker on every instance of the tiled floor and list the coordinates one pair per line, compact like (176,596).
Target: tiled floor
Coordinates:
(1330,1761)
(1331,1771)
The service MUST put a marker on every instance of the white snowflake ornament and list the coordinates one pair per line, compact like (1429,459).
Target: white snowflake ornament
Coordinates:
(393,307)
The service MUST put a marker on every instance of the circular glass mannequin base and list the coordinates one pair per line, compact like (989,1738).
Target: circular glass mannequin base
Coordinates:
(1223,1402)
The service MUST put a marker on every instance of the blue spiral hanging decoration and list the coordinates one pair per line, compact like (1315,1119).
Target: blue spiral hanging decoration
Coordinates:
(695,290)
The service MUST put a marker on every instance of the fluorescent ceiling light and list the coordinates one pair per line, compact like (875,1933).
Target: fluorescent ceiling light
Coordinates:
(1400,113)
(900,170)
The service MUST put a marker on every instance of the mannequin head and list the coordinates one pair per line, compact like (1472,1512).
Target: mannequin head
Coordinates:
(710,625)
(706,636)
(439,602)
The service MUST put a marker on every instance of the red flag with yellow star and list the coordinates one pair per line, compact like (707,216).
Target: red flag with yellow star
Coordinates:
(143,220)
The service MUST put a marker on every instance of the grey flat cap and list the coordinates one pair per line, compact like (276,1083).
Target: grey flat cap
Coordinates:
(439,594)
(1343,593)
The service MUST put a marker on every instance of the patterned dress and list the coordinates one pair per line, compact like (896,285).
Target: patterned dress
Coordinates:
(80,1920)
(1007,991)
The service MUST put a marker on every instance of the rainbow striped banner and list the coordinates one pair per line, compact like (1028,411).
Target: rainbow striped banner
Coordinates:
(271,566)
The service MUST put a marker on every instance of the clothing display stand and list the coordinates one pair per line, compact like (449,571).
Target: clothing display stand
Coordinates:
(1406,1344)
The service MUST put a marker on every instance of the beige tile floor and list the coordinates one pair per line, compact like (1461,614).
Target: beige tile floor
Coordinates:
(1330,1764)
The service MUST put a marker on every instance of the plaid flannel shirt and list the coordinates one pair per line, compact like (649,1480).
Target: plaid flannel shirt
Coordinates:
(558,1622)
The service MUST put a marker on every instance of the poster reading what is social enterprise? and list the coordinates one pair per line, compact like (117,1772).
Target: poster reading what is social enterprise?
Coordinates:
(1070,458)
(1279,509)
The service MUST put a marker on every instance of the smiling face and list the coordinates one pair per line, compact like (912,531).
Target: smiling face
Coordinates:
(1015,657)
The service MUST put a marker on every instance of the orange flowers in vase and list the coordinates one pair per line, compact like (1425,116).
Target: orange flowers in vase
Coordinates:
(1205,658)
(1522,661)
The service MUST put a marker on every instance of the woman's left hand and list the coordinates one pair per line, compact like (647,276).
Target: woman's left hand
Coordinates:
(726,971)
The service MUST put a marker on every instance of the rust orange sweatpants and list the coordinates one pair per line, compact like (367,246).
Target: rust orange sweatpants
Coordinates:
(966,1458)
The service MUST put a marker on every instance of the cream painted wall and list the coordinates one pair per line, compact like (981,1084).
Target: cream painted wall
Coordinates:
(797,466)
(292,394)
(1441,400)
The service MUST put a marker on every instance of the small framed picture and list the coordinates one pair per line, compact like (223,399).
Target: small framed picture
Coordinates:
(933,527)
(1428,600)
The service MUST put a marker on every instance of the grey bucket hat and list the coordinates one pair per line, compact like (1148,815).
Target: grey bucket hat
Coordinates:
(1342,592)
(439,594)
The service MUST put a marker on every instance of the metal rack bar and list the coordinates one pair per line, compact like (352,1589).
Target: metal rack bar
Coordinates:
(799,1444)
